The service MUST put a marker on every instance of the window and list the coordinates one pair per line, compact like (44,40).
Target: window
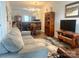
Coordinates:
(26,19)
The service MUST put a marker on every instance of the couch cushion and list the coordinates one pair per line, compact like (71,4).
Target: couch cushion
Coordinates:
(39,52)
(28,51)
(27,37)
(26,33)
(27,42)
(15,31)
(34,42)
(13,41)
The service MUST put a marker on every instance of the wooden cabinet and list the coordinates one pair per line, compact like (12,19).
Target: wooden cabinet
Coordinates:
(69,37)
(49,23)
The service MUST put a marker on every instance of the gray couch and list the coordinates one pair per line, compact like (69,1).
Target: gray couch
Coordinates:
(31,49)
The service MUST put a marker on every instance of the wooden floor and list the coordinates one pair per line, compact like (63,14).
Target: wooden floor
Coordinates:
(40,35)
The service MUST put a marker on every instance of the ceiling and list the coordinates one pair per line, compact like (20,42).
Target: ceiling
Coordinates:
(29,4)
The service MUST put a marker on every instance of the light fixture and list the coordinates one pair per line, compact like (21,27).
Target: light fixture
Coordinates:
(32,9)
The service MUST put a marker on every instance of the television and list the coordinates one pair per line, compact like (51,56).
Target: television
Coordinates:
(68,25)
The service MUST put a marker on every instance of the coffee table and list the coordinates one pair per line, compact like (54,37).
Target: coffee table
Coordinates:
(68,52)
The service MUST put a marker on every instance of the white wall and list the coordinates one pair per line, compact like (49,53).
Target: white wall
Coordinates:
(77,26)
(21,12)
(59,7)
(3,20)
(9,15)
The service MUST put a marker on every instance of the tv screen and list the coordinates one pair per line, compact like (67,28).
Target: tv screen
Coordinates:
(68,25)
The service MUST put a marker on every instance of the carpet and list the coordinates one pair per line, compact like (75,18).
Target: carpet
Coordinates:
(52,49)
(57,42)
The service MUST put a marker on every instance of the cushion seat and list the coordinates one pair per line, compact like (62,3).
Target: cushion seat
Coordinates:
(27,37)
(28,51)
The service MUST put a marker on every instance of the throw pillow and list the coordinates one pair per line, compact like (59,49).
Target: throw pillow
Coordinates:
(13,41)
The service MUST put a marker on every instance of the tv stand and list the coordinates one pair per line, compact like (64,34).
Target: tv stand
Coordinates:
(69,37)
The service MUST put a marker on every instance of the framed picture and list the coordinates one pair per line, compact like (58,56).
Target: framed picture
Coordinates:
(72,10)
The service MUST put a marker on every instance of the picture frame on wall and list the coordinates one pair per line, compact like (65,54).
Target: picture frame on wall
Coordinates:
(72,10)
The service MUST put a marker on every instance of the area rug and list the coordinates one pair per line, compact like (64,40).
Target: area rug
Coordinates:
(52,49)
(57,42)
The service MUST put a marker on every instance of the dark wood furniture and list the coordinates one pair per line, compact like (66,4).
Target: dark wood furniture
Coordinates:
(38,24)
(18,19)
(49,23)
(69,37)
(68,53)
(26,26)
(35,27)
